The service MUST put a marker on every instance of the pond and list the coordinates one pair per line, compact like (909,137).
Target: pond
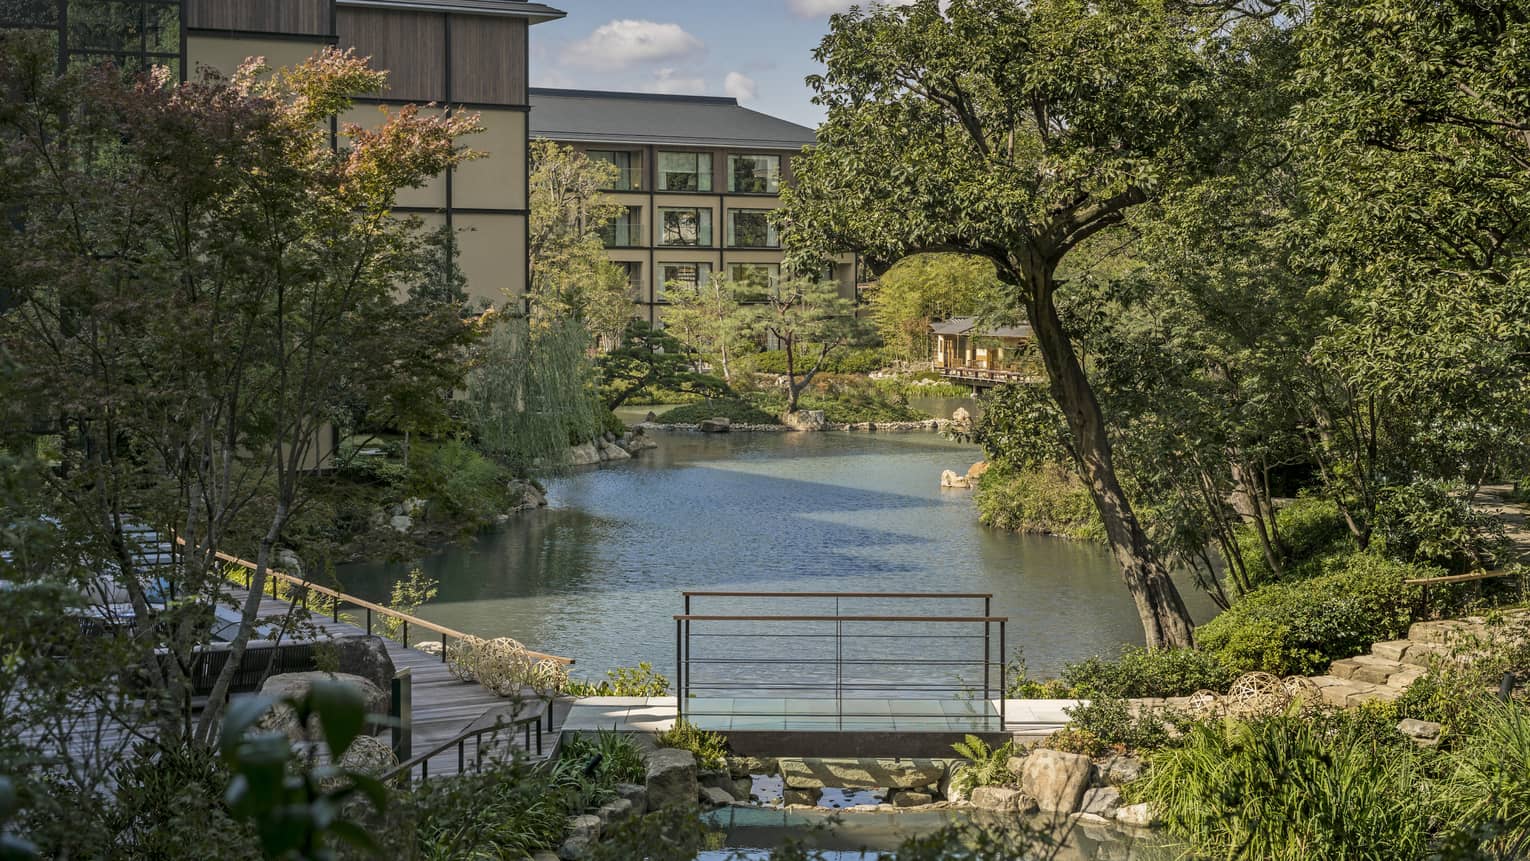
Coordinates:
(597,575)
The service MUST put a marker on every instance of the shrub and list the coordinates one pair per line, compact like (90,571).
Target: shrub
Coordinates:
(736,410)
(985,766)
(855,404)
(1282,788)
(1048,500)
(455,476)
(1487,785)
(612,424)
(1140,672)
(1310,528)
(1431,521)
(1110,722)
(504,811)
(639,681)
(607,757)
(1071,739)
(1474,668)
(857,360)
(1298,628)
(710,748)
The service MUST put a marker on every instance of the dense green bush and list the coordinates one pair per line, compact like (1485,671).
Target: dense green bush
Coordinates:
(607,757)
(710,748)
(1109,722)
(504,811)
(1140,672)
(737,410)
(1310,528)
(455,476)
(639,681)
(1048,500)
(1286,788)
(1431,521)
(857,360)
(1298,628)
(854,404)
(984,766)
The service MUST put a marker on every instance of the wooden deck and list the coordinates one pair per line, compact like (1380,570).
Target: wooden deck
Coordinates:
(443,706)
(984,376)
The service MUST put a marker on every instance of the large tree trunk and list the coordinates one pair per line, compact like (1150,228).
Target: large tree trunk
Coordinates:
(1165,621)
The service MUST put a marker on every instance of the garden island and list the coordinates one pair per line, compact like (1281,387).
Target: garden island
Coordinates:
(449,429)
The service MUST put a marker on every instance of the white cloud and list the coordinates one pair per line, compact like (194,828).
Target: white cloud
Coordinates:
(621,43)
(668,80)
(823,8)
(741,87)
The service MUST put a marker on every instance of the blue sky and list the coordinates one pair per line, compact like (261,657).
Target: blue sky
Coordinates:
(756,50)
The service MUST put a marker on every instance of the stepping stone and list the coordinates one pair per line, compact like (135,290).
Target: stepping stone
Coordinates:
(1392,650)
(1366,668)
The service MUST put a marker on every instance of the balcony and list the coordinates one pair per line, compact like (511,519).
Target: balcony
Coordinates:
(622,234)
(627,179)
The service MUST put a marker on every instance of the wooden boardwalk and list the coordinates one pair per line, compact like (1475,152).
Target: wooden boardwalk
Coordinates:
(443,706)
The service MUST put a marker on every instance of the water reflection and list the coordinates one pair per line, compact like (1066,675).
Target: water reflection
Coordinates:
(598,574)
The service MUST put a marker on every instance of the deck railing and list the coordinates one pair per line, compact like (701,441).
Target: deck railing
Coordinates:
(303,587)
(985,375)
(405,771)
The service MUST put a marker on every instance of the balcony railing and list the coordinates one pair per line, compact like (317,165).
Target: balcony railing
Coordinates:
(622,235)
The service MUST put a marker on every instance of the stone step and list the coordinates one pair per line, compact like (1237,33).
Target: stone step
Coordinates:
(1343,693)
(1366,668)
(1392,650)
(1422,654)
(1443,631)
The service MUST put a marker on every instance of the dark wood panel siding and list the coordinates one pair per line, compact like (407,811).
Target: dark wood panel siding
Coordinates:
(290,17)
(411,46)
(488,60)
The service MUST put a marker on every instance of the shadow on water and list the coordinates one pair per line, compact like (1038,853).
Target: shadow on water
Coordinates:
(597,575)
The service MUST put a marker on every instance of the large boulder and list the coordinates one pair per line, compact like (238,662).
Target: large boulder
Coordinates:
(615,812)
(524,496)
(744,766)
(949,478)
(583,831)
(861,773)
(1136,815)
(584,454)
(1102,801)
(295,686)
(961,416)
(366,657)
(1057,780)
(1001,799)
(637,795)
(1424,733)
(806,420)
(401,523)
(1121,770)
(671,778)
(911,798)
(712,796)
(716,424)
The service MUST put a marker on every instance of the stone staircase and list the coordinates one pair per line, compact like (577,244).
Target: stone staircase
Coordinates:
(1386,672)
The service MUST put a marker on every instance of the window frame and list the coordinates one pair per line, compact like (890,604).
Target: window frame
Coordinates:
(772,235)
(704,227)
(734,157)
(704,179)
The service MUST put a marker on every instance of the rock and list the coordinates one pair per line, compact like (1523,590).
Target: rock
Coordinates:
(544,855)
(949,478)
(714,796)
(1103,801)
(414,506)
(614,452)
(718,777)
(1424,733)
(861,773)
(526,495)
(800,797)
(1057,780)
(368,755)
(1136,815)
(584,455)
(976,471)
(869,427)
(961,416)
(911,798)
(651,417)
(949,792)
(743,788)
(744,766)
(717,424)
(635,794)
(614,812)
(609,437)
(583,831)
(805,420)
(1120,770)
(401,523)
(1001,799)
(671,778)
(283,719)
(429,647)
(636,443)
(366,657)
(1015,765)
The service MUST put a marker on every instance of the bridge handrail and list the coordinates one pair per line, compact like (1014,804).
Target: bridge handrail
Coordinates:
(338,596)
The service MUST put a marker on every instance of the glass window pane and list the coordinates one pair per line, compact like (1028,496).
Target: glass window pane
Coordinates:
(685,171)
(40,13)
(754,174)
(757,279)
(162,28)
(751,228)
(106,25)
(687,226)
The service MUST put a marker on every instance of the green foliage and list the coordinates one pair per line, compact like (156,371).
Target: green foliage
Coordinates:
(1284,788)
(649,357)
(671,833)
(1311,530)
(639,681)
(1487,788)
(1298,628)
(504,811)
(985,766)
(572,279)
(924,288)
(1111,722)
(1140,672)
(853,360)
(608,757)
(1073,739)
(529,397)
(738,411)
(1432,522)
(1045,499)
(457,477)
(1449,687)
(811,322)
(407,596)
(710,748)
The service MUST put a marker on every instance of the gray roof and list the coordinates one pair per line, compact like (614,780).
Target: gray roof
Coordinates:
(969,326)
(536,12)
(589,116)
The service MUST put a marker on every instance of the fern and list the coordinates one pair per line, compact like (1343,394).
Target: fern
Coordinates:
(985,766)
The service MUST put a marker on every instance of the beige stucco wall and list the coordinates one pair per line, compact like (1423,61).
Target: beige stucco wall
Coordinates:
(499,181)
(493,254)
(226,54)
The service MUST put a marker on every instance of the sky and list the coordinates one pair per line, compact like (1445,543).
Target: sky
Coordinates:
(758,51)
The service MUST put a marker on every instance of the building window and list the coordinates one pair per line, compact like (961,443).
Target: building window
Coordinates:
(757,280)
(629,167)
(634,273)
(751,228)
(682,275)
(754,174)
(685,171)
(626,231)
(130,34)
(686,226)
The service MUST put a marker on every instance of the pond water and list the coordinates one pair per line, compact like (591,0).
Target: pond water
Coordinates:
(597,575)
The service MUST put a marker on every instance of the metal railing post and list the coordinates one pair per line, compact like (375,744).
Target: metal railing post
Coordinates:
(334,609)
(443,648)
(369,621)
(987,627)
(1003,681)
(404,640)
(401,709)
(679,675)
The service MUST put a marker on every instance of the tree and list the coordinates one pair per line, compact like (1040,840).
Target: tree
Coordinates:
(208,283)
(1018,133)
(571,277)
(808,319)
(651,357)
(530,391)
(924,288)
(706,317)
